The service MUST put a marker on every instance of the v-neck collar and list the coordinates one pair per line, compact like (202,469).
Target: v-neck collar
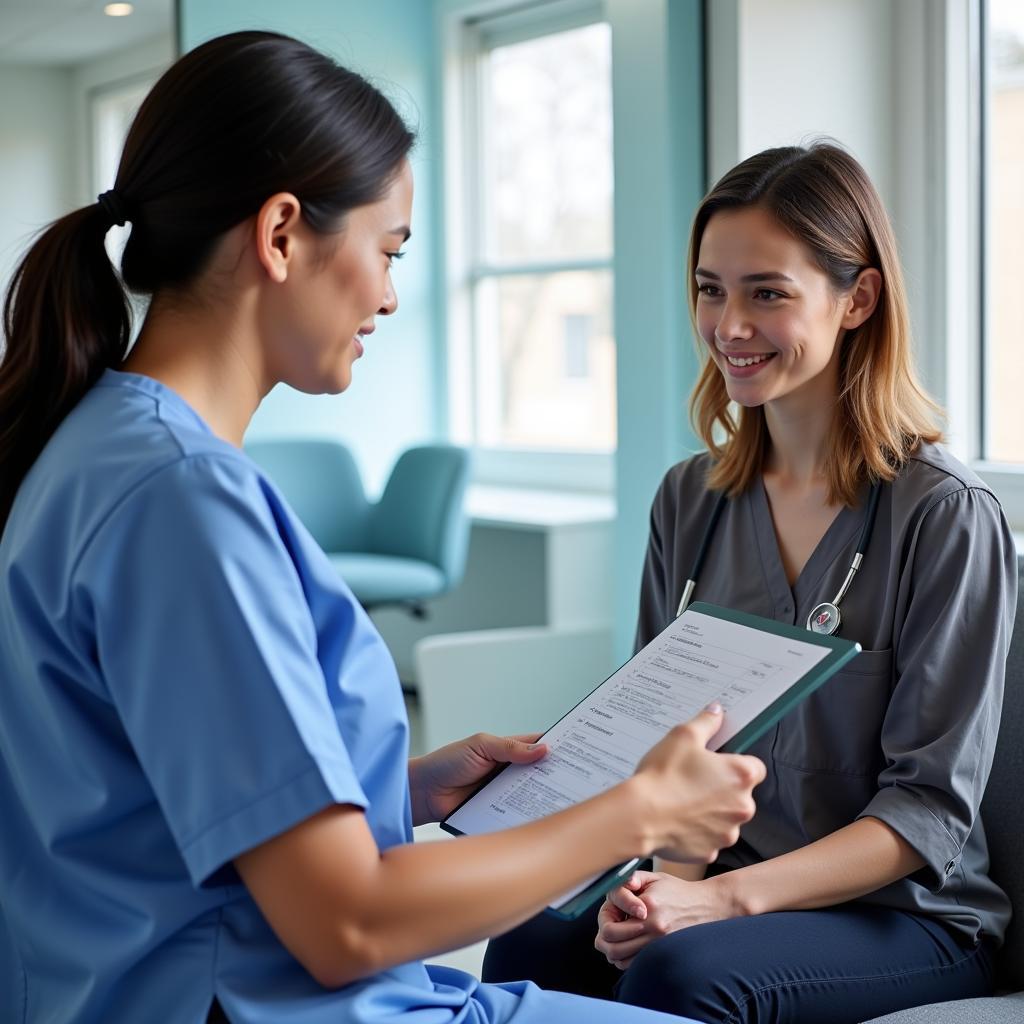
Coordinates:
(840,535)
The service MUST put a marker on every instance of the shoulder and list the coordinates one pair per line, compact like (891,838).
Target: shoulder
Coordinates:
(685,479)
(934,479)
(131,454)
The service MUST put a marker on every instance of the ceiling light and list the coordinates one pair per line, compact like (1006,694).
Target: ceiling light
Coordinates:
(118,10)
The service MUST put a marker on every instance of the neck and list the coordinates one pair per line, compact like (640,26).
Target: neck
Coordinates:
(798,443)
(206,355)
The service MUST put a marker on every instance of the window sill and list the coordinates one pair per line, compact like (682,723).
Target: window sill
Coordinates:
(531,509)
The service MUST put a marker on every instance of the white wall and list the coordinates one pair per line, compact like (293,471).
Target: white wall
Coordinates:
(36,181)
(787,70)
(141,62)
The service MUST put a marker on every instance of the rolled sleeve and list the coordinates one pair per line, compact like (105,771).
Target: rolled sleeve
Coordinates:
(939,731)
(206,644)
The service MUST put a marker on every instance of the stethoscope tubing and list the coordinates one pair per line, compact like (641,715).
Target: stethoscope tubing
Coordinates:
(862,545)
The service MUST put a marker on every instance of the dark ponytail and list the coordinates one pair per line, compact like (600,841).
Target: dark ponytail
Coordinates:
(232,122)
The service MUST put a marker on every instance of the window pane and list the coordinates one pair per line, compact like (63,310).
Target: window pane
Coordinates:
(1004,370)
(546,365)
(547,136)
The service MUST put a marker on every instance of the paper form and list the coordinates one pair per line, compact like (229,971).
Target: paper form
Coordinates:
(697,659)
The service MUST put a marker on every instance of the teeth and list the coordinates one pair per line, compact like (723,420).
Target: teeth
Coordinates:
(747,361)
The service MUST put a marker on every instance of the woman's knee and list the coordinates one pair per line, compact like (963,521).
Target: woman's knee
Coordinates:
(681,973)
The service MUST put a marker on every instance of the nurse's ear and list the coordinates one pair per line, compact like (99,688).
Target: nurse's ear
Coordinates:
(278,225)
(860,302)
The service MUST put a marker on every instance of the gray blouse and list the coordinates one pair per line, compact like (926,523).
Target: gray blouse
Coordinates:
(906,732)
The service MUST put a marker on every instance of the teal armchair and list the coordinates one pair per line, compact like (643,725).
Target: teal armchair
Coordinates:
(401,550)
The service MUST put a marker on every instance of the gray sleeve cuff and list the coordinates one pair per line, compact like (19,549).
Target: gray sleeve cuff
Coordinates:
(913,820)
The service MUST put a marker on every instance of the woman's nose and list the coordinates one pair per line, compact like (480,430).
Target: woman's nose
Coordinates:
(390,301)
(734,325)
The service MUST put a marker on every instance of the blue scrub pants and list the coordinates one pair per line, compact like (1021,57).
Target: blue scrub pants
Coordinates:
(840,965)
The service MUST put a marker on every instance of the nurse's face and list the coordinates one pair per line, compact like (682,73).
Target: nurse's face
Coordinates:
(770,317)
(343,286)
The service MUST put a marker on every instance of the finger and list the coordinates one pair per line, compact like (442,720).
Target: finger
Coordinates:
(530,737)
(512,749)
(640,880)
(619,951)
(752,768)
(622,931)
(608,914)
(628,902)
(707,723)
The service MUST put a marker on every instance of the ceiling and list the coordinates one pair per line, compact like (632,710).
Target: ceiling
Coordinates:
(65,32)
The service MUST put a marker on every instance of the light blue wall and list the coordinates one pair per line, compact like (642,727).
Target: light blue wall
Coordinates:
(658,73)
(393,401)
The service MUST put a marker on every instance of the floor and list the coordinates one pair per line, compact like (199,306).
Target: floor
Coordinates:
(470,958)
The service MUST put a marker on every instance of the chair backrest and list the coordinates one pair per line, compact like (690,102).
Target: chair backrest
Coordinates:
(1002,810)
(320,480)
(421,513)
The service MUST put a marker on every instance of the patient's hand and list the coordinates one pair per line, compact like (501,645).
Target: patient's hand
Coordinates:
(652,904)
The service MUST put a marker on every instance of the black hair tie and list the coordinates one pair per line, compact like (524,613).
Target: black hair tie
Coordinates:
(113,205)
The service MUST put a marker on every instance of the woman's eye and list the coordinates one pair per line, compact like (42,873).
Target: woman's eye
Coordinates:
(767,294)
(712,291)
(392,256)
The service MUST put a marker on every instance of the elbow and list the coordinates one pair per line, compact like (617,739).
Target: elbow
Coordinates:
(349,954)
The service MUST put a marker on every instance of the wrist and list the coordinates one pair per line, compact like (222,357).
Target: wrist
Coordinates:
(639,817)
(734,894)
(417,797)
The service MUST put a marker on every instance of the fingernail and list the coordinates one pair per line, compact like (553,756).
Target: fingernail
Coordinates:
(715,708)
(532,746)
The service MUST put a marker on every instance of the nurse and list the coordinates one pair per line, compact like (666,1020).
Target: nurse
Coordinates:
(204,787)
(860,886)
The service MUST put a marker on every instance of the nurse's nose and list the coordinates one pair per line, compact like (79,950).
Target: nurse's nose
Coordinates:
(390,301)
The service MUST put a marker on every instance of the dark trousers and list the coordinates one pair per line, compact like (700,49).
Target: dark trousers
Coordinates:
(840,965)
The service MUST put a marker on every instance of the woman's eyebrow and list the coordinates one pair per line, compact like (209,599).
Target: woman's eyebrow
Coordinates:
(768,275)
(403,231)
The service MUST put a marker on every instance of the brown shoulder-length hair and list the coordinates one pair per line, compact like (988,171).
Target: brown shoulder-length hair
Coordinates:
(822,196)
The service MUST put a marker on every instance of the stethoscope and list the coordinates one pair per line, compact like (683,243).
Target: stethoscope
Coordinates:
(825,617)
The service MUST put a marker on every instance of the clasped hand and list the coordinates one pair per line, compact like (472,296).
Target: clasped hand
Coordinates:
(441,780)
(652,904)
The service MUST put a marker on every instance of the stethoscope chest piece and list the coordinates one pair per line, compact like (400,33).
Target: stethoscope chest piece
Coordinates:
(824,619)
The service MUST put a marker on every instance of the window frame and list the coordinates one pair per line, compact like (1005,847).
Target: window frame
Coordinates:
(946,227)
(467,35)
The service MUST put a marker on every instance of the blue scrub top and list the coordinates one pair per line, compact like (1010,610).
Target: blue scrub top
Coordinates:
(182,676)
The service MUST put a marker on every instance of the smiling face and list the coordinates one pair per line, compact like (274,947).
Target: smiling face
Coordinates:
(769,315)
(337,288)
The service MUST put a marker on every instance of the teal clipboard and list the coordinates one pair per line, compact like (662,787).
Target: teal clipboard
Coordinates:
(839,653)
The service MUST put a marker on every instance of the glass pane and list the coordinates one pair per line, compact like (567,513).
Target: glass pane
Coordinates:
(546,368)
(547,136)
(1004,368)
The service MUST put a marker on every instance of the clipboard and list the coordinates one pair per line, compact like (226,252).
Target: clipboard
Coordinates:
(760,705)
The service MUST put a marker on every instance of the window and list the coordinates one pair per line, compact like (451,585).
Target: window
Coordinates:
(534,376)
(1003,363)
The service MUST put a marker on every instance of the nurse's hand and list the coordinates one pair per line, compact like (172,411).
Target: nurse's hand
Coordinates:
(440,781)
(652,904)
(695,799)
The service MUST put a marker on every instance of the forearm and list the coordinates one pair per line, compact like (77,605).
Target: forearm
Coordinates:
(863,857)
(353,911)
(431,897)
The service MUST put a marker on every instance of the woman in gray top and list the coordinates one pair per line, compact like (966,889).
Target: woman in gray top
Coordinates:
(860,885)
